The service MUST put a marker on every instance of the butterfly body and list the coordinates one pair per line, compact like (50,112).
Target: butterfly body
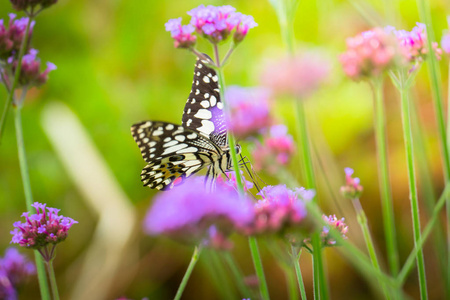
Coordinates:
(175,152)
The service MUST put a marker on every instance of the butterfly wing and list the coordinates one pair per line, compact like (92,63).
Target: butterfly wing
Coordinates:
(203,111)
(171,151)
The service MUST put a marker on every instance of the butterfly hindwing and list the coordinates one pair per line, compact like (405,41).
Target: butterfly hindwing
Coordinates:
(203,111)
(171,151)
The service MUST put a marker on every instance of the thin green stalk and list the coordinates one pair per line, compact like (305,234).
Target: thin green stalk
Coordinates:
(295,260)
(362,220)
(384,182)
(407,133)
(42,278)
(51,276)
(232,144)
(10,97)
(428,194)
(194,259)
(238,275)
(409,263)
(219,271)
(264,290)
(291,283)
(436,88)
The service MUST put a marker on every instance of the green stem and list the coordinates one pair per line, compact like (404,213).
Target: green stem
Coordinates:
(407,133)
(51,276)
(386,195)
(10,98)
(232,144)
(237,273)
(194,259)
(436,88)
(264,290)
(295,260)
(291,283)
(42,278)
(407,267)
(362,220)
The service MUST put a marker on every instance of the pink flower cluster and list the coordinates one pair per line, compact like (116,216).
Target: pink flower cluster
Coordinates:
(413,44)
(15,268)
(369,54)
(182,34)
(280,209)
(30,73)
(11,37)
(250,111)
(275,150)
(297,76)
(191,214)
(352,189)
(230,183)
(337,224)
(41,229)
(215,23)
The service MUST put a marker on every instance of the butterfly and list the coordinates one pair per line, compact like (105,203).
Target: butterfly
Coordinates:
(176,152)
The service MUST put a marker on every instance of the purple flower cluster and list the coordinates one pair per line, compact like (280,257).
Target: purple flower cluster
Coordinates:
(249,110)
(14,270)
(215,23)
(275,150)
(352,188)
(11,37)
(30,73)
(41,229)
(191,214)
(413,44)
(335,223)
(445,43)
(231,182)
(182,34)
(297,76)
(280,209)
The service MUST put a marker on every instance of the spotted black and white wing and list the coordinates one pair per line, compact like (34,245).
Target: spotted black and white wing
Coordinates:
(203,111)
(172,152)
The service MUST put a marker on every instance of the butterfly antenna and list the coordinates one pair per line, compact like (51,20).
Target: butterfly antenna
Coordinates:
(250,173)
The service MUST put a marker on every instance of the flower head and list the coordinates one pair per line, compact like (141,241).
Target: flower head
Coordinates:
(369,54)
(30,73)
(337,224)
(191,214)
(445,43)
(413,44)
(297,76)
(215,23)
(11,37)
(249,108)
(231,183)
(27,4)
(352,188)
(275,150)
(16,266)
(182,34)
(44,228)
(280,209)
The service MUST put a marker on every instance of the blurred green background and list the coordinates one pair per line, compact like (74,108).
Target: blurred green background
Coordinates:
(117,66)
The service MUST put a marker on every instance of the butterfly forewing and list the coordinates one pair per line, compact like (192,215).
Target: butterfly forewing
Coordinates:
(203,111)
(171,151)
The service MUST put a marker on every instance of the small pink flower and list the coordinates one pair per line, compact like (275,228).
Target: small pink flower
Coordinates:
(369,54)
(250,111)
(413,44)
(352,189)
(297,76)
(280,209)
(182,34)
(335,223)
(275,150)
